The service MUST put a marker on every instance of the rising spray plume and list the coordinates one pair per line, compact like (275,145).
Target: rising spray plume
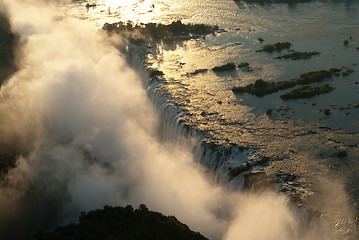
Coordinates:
(83,130)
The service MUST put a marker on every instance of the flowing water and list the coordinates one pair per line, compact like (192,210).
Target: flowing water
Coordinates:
(81,100)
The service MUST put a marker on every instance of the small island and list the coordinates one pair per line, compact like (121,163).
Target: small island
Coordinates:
(261,87)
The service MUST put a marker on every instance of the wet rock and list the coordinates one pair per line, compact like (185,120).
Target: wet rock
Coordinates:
(279,46)
(341,153)
(155,72)
(89,5)
(307,91)
(243,64)
(198,71)
(226,67)
(269,112)
(234,172)
(347,72)
(257,181)
(298,55)
(327,111)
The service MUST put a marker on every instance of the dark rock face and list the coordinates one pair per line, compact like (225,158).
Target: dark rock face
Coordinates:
(7,48)
(8,42)
(123,223)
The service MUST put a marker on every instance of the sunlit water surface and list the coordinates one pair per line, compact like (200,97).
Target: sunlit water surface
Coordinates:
(297,133)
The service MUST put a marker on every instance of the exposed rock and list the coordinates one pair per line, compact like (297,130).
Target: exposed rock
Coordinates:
(198,71)
(155,72)
(341,153)
(243,64)
(327,111)
(234,172)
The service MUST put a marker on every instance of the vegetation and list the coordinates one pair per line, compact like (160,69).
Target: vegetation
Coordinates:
(225,67)
(347,72)
(261,87)
(157,31)
(123,223)
(307,91)
(279,46)
(298,55)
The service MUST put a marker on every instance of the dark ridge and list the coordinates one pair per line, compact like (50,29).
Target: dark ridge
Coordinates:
(298,55)
(307,92)
(123,223)
(8,42)
(261,87)
(176,31)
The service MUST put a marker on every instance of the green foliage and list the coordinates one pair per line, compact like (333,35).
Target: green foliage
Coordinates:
(261,87)
(307,91)
(225,67)
(123,223)
(279,46)
(175,31)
